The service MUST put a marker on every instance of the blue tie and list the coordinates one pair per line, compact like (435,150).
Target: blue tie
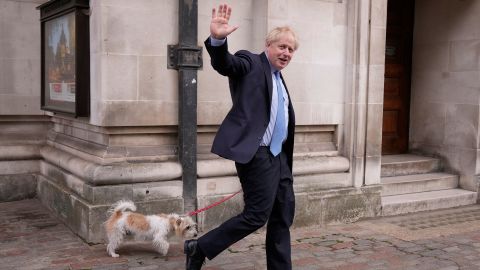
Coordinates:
(279,130)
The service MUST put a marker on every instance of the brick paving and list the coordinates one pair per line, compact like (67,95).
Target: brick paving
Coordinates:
(31,238)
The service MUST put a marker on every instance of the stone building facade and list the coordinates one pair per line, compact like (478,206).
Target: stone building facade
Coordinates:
(128,147)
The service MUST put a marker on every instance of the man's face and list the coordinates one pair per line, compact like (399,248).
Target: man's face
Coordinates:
(281,51)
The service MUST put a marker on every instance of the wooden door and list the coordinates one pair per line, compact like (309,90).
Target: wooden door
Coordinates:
(398,56)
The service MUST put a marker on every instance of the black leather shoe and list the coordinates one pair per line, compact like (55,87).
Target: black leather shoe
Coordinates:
(195,257)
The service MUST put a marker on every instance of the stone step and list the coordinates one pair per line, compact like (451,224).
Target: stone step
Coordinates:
(424,201)
(395,185)
(395,165)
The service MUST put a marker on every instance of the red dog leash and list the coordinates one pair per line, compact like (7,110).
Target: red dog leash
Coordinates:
(213,204)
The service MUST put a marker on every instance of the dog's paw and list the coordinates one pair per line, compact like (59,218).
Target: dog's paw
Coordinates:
(162,252)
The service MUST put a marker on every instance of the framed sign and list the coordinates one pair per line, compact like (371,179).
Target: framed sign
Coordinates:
(65,57)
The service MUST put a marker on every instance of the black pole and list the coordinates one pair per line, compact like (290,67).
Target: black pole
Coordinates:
(188,60)
(187,136)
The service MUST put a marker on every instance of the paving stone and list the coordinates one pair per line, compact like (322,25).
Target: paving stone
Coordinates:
(436,245)
(341,251)
(333,264)
(327,243)
(377,263)
(404,244)
(355,266)
(413,249)
(449,268)
(365,252)
(323,253)
(342,245)
(382,244)
(451,249)
(311,240)
(361,247)
(343,256)
(151,267)
(358,260)
(363,242)
(433,253)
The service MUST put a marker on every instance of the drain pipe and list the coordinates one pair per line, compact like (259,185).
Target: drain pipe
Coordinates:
(186,57)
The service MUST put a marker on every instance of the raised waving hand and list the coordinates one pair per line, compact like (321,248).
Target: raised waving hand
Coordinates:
(219,27)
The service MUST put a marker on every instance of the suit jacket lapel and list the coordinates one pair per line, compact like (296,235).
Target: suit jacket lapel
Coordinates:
(268,77)
(291,114)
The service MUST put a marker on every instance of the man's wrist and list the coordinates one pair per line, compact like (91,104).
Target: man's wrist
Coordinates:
(217,42)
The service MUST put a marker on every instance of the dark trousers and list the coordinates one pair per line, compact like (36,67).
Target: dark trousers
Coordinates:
(267,185)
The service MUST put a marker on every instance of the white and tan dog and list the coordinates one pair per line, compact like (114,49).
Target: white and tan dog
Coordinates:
(156,228)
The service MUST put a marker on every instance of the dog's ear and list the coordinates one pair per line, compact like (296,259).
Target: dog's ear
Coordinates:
(179,221)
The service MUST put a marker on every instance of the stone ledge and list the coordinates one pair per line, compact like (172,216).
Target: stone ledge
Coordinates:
(312,207)
(215,168)
(19,167)
(302,165)
(110,154)
(121,173)
(320,182)
(20,152)
(222,186)
(108,194)
(218,186)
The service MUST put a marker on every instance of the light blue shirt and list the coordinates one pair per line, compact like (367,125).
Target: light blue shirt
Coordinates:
(267,137)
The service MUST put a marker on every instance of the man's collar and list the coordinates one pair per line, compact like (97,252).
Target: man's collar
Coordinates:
(272,69)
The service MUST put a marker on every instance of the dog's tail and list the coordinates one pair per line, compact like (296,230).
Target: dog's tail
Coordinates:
(122,206)
(116,211)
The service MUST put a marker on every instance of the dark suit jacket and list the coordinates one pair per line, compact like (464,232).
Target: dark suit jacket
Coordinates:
(250,79)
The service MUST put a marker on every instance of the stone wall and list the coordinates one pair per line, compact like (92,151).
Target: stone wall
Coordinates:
(19,58)
(446,85)
(130,84)
(316,75)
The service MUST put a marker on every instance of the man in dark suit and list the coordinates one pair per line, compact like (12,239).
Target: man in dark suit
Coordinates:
(257,134)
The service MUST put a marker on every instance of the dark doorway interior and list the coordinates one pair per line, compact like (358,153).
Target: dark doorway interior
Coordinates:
(398,62)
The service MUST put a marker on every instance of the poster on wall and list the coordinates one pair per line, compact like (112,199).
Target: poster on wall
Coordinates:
(60,58)
(65,57)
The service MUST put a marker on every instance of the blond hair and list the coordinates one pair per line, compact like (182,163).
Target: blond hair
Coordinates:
(275,33)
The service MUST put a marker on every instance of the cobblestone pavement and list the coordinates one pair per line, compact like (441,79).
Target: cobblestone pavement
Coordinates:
(31,238)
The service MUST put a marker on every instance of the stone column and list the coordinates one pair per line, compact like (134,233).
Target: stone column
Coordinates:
(376,77)
(364,106)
